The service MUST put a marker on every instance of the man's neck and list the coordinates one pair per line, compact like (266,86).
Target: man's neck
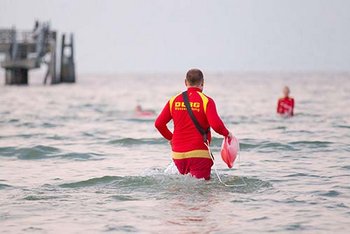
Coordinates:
(194,87)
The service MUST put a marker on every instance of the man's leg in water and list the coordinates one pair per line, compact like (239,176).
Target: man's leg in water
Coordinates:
(201,167)
(182,166)
(198,167)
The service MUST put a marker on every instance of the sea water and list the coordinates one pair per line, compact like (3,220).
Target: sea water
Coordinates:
(76,159)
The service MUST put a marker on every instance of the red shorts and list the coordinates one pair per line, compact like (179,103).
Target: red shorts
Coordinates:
(197,167)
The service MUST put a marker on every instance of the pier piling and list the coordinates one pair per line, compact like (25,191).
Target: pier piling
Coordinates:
(27,50)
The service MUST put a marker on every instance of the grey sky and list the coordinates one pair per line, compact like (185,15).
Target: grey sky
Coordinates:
(216,35)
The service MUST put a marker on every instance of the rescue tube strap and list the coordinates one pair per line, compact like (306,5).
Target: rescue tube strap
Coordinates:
(217,174)
(194,120)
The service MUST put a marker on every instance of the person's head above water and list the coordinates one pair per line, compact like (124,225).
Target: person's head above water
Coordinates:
(138,107)
(194,78)
(286,91)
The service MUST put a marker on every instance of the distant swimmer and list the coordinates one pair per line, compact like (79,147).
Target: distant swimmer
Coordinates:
(143,113)
(285,105)
(189,152)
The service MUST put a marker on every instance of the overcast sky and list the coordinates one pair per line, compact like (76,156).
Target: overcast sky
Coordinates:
(216,35)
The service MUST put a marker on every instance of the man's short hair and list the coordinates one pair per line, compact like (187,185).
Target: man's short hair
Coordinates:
(194,77)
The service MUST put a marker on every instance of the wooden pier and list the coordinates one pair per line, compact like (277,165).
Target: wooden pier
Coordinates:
(26,50)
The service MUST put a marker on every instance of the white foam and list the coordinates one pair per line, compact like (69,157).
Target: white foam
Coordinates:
(171,169)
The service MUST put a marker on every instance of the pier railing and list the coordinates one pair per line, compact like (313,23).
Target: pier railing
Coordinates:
(26,50)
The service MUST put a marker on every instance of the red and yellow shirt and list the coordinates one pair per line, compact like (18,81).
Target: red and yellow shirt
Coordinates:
(187,142)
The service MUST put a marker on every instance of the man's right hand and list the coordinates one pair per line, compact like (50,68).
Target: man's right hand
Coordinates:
(229,136)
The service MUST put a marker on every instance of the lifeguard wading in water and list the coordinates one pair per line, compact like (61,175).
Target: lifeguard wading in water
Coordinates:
(189,152)
(285,105)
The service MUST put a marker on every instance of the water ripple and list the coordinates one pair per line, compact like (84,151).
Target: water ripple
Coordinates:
(330,193)
(312,144)
(161,183)
(44,152)
(133,141)
(3,186)
(37,197)
(91,182)
(36,152)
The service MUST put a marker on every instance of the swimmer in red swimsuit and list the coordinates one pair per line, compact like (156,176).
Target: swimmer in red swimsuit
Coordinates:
(189,152)
(285,106)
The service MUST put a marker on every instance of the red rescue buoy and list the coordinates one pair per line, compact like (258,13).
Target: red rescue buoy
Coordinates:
(229,151)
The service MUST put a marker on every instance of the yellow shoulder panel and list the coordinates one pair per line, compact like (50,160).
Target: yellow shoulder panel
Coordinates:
(171,102)
(205,101)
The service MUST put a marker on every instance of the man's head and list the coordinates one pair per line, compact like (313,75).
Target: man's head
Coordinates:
(286,91)
(194,78)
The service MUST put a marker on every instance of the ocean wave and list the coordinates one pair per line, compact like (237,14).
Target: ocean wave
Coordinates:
(122,228)
(216,141)
(119,181)
(3,186)
(80,156)
(134,141)
(265,146)
(161,183)
(41,197)
(7,151)
(25,136)
(242,184)
(300,174)
(342,126)
(36,152)
(124,198)
(44,152)
(311,144)
(50,125)
(331,193)
(91,182)
(273,146)
(247,146)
